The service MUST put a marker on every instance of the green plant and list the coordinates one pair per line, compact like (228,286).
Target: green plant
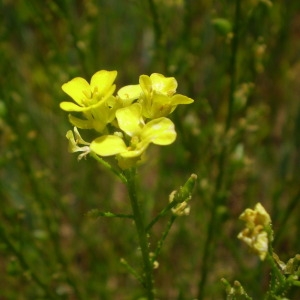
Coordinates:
(126,124)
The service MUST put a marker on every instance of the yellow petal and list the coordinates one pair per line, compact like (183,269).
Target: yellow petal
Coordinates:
(159,131)
(70,106)
(78,137)
(263,217)
(134,153)
(181,99)
(162,84)
(260,245)
(103,80)
(160,106)
(73,144)
(129,93)
(145,83)
(108,145)
(72,147)
(83,124)
(130,119)
(75,88)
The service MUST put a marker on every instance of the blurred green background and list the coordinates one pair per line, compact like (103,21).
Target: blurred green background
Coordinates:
(49,247)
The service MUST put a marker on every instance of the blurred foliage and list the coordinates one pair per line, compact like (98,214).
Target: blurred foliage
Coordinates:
(50,248)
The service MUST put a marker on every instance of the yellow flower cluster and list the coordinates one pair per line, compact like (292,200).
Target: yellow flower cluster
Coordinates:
(255,234)
(127,122)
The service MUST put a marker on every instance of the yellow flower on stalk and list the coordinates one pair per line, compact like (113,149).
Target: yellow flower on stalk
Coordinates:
(158,98)
(255,235)
(258,216)
(94,100)
(156,93)
(89,95)
(138,136)
(256,239)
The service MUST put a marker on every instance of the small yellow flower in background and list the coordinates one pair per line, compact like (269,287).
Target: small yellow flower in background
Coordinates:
(255,234)
(256,239)
(258,216)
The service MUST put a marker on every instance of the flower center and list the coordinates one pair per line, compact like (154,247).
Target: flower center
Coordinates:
(134,142)
(91,97)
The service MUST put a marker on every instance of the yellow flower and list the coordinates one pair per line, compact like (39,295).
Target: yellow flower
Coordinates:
(256,239)
(255,217)
(94,100)
(156,94)
(255,234)
(128,114)
(139,135)
(88,95)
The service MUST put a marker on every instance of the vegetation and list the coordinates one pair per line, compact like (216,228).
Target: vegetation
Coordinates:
(67,227)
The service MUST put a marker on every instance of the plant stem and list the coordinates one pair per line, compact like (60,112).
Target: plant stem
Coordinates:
(108,166)
(162,213)
(164,236)
(147,275)
(232,63)
(218,197)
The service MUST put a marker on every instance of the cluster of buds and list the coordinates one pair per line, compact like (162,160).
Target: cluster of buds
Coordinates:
(179,199)
(256,234)
(126,123)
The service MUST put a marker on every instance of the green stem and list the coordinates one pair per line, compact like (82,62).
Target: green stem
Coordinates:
(278,279)
(278,284)
(95,213)
(131,270)
(163,238)
(162,213)
(218,198)
(147,275)
(232,63)
(109,167)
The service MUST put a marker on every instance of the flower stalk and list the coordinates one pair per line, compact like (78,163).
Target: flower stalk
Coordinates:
(125,125)
(147,276)
(218,197)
